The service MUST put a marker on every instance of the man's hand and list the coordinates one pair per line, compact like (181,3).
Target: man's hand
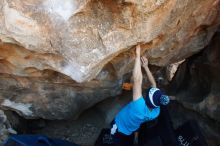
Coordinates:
(138,51)
(144,61)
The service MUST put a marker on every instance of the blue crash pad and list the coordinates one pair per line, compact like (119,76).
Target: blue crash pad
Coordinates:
(35,140)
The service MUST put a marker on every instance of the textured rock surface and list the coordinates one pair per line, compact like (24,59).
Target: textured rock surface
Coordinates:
(210,128)
(55,96)
(44,93)
(197,81)
(197,87)
(85,130)
(5,128)
(78,37)
(48,46)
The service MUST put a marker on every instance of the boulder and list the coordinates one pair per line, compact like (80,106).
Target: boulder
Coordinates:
(55,96)
(79,37)
(59,58)
(197,83)
(5,128)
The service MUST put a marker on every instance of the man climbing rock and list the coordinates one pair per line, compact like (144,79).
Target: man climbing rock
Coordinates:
(141,109)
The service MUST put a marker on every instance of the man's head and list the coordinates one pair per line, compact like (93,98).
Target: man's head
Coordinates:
(155,98)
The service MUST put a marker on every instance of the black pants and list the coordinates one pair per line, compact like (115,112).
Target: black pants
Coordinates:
(121,139)
(161,128)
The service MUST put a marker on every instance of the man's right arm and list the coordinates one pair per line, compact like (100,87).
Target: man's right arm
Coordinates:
(137,75)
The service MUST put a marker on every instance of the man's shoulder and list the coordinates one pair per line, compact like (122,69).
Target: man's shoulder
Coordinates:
(140,101)
(137,105)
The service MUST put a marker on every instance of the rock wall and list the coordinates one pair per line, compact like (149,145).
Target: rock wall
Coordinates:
(197,87)
(81,36)
(59,58)
(196,83)
(55,96)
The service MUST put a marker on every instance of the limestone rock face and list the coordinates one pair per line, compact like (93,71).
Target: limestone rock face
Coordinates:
(5,127)
(78,37)
(55,96)
(58,58)
(197,83)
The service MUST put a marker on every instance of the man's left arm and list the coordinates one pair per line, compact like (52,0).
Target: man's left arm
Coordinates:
(151,79)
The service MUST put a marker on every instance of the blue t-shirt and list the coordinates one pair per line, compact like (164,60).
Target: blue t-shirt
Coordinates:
(133,115)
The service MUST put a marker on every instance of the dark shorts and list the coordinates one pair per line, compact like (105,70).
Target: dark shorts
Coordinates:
(119,138)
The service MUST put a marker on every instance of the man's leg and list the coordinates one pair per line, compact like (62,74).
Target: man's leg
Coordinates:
(119,138)
(128,140)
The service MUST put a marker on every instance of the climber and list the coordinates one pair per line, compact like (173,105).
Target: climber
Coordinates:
(141,109)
